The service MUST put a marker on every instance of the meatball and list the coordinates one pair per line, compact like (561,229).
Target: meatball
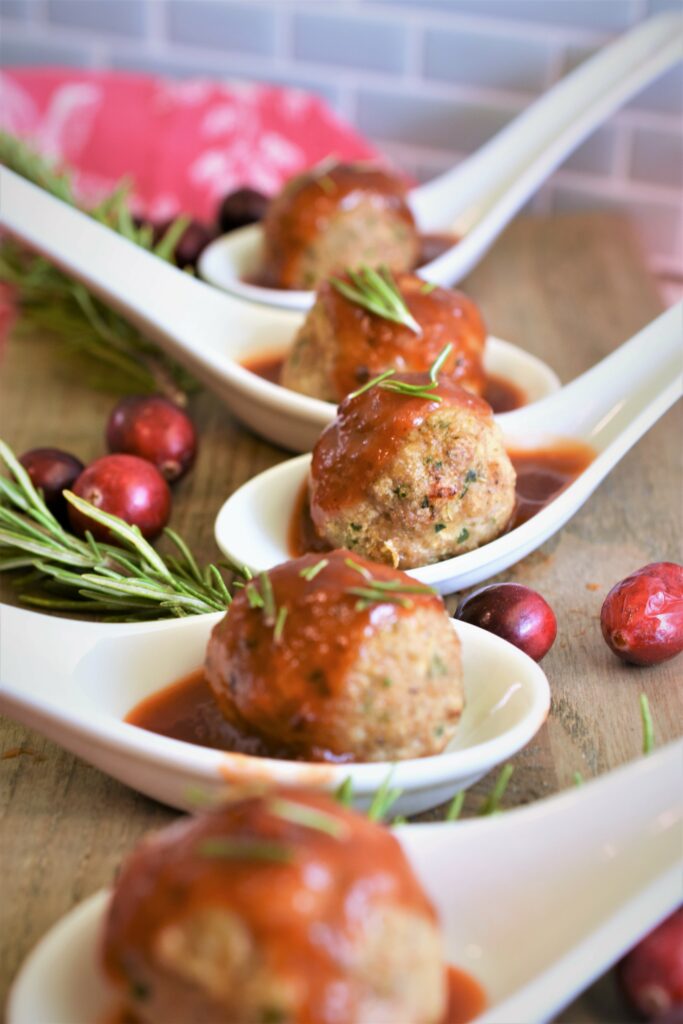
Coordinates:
(410,480)
(336,216)
(281,907)
(341,345)
(354,661)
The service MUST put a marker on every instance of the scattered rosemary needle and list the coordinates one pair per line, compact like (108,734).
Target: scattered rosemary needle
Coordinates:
(124,579)
(387,381)
(309,817)
(311,571)
(455,806)
(377,291)
(115,356)
(648,728)
(246,849)
(492,803)
(282,614)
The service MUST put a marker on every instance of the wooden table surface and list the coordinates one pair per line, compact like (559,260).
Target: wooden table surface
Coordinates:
(567,288)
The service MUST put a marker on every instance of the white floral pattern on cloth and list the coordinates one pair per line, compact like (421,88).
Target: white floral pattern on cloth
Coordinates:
(182,144)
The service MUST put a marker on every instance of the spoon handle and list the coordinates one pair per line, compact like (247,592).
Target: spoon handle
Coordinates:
(187,318)
(627,391)
(484,191)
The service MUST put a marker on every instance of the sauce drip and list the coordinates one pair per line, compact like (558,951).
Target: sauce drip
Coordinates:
(501,394)
(542,474)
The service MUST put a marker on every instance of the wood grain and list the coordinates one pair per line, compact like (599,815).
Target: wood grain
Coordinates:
(568,288)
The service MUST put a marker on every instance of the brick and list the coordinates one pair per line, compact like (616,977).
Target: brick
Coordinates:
(657,157)
(116,17)
(600,15)
(16,9)
(665,96)
(658,223)
(237,28)
(487,59)
(442,124)
(219,69)
(596,155)
(17,52)
(349,42)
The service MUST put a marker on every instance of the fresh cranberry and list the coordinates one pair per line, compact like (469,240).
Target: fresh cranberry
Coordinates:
(245,206)
(642,616)
(513,612)
(125,486)
(651,975)
(52,471)
(155,429)
(192,243)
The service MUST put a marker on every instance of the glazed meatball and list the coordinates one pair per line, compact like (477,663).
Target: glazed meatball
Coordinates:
(341,345)
(280,907)
(365,666)
(410,480)
(337,216)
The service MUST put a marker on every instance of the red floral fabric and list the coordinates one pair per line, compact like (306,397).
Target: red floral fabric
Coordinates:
(183,144)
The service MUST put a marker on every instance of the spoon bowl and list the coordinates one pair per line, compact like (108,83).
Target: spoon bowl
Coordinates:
(615,843)
(475,200)
(76,681)
(609,408)
(209,332)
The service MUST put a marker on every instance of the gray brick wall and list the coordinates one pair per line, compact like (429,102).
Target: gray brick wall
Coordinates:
(427,80)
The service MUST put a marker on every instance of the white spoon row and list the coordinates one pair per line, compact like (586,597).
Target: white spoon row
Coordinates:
(476,199)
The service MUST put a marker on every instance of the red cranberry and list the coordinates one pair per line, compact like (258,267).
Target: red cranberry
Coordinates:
(245,206)
(652,973)
(642,616)
(192,243)
(52,471)
(513,612)
(125,486)
(155,429)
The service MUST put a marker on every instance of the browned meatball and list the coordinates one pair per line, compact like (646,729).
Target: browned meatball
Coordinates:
(278,907)
(366,665)
(411,480)
(341,345)
(332,217)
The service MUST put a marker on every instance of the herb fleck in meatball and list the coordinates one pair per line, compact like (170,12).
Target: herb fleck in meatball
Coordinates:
(411,480)
(278,907)
(351,661)
(342,345)
(336,216)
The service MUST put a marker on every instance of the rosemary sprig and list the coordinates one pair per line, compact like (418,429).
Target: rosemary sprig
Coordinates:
(377,291)
(387,381)
(117,357)
(382,591)
(123,579)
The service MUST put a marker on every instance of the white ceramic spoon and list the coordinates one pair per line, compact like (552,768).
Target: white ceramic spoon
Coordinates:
(609,407)
(75,682)
(208,331)
(535,903)
(476,199)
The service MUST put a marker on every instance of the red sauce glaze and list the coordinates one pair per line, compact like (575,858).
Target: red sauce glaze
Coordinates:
(466,1000)
(502,395)
(358,871)
(542,474)
(366,434)
(434,245)
(187,711)
(466,997)
(368,344)
(288,690)
(309,202)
